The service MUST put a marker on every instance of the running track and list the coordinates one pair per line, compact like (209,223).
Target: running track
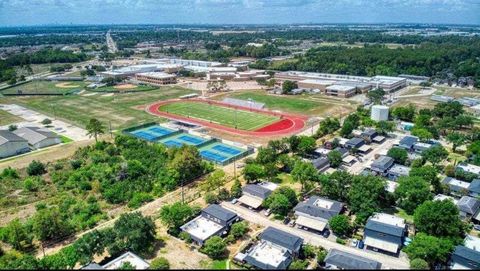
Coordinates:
(288,124)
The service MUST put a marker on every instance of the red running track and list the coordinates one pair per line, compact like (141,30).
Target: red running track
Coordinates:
(288,124)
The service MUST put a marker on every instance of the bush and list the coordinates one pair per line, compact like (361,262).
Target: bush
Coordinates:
(46,122)
(33,183)
(160,263)
(185,237)
(309,251)
(419,264)
(12,127)
(341,241)
(76,164)
(321,255)
(210,198)
(138,199)
(36,168)
(214,247)
(223,194)
(239,229)
(298,265)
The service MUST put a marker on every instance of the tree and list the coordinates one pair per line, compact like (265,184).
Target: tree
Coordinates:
(398,154)
(253,172)
(281,200)
(347,129)
(17,235)
(49,224)
(411,192)
(304,173)
(36,168)
(429,174)
(456,139)
(288,86)
(384,127)
(439,218)
(236,190)
(298,265)
(336,185)
(328,126)
(239,229)
(160,263)
(133,232)
(175,215)
(12,127)
(376,95)
(95,128)
(406,113)
(46,121)
(187,163)
(430,249)
(435,154)
(422,133)
(340,225)
(214,181)
(214,247)
(419,264)
(306,146)
(366,195)
(334,158)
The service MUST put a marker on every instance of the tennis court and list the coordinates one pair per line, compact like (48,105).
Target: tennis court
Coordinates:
(221,153)
(183,139)
(152,133)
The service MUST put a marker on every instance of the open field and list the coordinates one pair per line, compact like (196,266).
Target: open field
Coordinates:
(125,87)
(7,118)
(118,109)
(45,87)
(230,117)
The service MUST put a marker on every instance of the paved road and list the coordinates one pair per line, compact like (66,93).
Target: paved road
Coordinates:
(388,262)
(370,157)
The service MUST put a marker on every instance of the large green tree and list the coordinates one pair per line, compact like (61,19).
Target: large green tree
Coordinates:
(340,225)
(429,248)
(336,185)
(304,173)
(398,154)
(95,128)
(411,192)
(440,219)
(366,195)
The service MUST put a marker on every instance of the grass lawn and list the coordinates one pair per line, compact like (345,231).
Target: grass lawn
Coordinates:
(65,139)
(134,88)
(118,109)
(46,87)
(219,265)
(7,118)
(240,119)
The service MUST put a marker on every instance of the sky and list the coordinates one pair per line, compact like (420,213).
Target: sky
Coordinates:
(41,12)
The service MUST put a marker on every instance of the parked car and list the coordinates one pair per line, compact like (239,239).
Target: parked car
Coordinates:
(291,223)
(267,212)
(286,220)
(326,233)
(234,201)
(360,244)
(477,227)
(354,243)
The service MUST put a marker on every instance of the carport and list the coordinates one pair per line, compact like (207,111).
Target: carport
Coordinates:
(311,223)
(251,201)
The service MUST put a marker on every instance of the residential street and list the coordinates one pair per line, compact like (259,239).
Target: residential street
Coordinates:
(388,262)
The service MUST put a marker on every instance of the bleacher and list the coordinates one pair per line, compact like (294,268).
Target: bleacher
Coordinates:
(249,104)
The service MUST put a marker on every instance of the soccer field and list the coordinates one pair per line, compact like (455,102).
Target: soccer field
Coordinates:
(244,120)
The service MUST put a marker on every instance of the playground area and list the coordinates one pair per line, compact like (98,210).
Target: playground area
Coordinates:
(211,149)
(230,118)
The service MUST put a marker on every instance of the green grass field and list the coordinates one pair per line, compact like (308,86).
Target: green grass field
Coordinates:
(239,119)
(284,103)
(118,109)
(7,118)
(45,87)
(136,88)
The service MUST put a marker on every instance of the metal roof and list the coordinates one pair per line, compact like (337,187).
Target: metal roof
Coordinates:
(7,136)
(383,162)
(467,253)
(346,260)
(217,211)
(281,238)
(34,134)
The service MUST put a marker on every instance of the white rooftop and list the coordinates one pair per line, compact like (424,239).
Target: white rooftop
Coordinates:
(389,219)
(459,183)
(129,257)
(268,253)
(318,81)
(441,197)
(268,185)
(472,242)
(391,186)
(159,75)
(470,168)
(399,170)
(201,227)
(387,79)
(323,203)
(342,88)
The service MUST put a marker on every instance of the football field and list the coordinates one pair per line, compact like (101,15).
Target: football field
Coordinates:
(235,118)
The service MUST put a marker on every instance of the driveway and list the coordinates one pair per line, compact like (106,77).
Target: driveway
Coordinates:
(388,262)
(367,160)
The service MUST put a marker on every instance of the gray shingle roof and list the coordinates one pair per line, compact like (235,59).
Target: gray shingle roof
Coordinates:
(384,228)
(474,186)
(320,163)
(256,190)
(346,260)
(281,238)
(468,205)
(219,212)
(369,133)
(383,162)
(310,208)
(466,256)
(408,141)
(7,136)
(34,134)
(356,141)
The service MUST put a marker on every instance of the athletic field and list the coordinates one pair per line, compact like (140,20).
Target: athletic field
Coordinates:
(230,117)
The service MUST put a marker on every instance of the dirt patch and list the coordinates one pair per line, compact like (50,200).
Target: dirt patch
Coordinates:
(125,86)
(66,85)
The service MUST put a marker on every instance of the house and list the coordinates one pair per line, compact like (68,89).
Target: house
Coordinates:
(369,134)
(355,142)
(474,188)
(382,164)
(407,142)
(321,164)
(467,256)
(349,160)
(384,232)
(11,144)
(456,187)
(214,220)
(117,263)
(316,212)
(397,171)
(337,259)
(344,152)
(468,168)
(441,197)
(276,249)
(38,138)
(419,147)
(468,207)
(254,195)
(321,151)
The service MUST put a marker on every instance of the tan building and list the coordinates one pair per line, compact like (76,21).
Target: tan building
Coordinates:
(156,78)
(341,91)
(315,84)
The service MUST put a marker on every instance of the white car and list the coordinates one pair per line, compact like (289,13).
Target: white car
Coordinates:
(354,243)
(267,212)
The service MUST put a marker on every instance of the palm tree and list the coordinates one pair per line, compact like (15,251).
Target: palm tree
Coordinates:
(95,128)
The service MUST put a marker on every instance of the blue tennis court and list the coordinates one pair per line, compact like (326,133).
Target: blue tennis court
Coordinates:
(191,139)
(152,133)
(160,130)
(212,156)
(145,135)
(172,143)
(178,140)
(226,149)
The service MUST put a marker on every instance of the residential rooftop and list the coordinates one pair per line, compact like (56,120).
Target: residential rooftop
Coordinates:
(201,227)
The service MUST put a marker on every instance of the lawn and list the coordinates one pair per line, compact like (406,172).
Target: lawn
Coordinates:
(7,118)
(46,87)
(117,109)
(133,88)
(244,120)
(219,265)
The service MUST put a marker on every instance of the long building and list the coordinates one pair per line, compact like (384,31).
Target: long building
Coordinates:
(156,78)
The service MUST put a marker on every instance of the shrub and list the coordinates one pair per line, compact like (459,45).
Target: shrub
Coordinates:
(239,229)
(33,183)
(210,198)
(36,168)
(46,122)
(214,247)
(138,199)
(76,164)
(341,241)
(298,265)
(160,263)
(185,237)
(419,264)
